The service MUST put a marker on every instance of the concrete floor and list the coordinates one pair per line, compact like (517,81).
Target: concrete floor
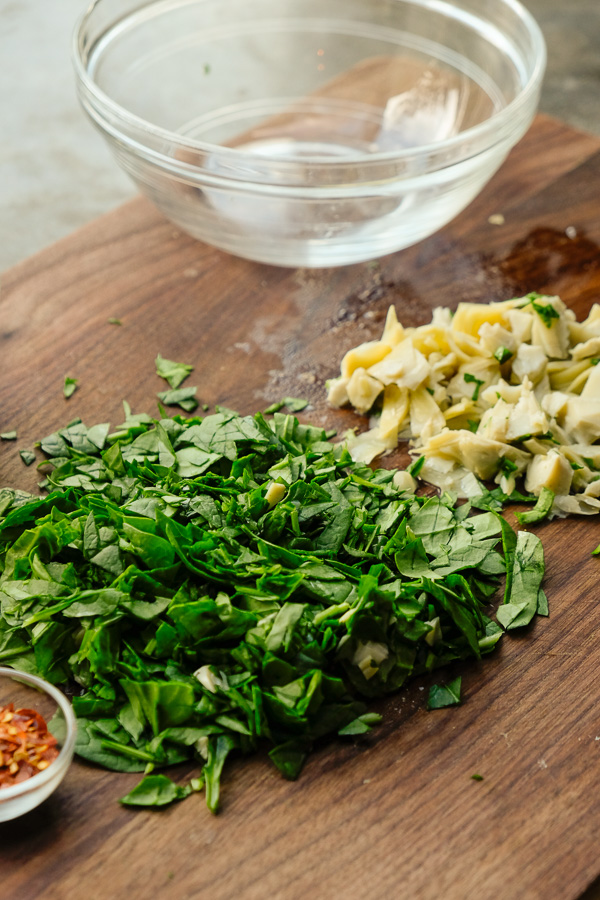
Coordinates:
(56,174)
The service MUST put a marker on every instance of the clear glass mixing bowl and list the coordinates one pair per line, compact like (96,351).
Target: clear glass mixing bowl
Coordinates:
(309,132)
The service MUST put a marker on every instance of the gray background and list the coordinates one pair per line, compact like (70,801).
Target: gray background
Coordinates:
(56,174)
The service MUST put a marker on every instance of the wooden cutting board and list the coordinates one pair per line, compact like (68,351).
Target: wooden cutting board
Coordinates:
(396,814)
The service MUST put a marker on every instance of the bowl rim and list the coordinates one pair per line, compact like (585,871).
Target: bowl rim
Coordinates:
(494,125)
(30,785)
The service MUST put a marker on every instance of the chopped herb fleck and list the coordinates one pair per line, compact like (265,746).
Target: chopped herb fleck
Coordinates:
(470,379)
(503,354)
(113,321)
(477,777)
(545,311)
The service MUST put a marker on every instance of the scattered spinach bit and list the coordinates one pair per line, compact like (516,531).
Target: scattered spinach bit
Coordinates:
(183,397)
(113,321)
(470,379)
(523,596)
(70,386)
(155,790)
(173,372)
(415,467)
(542,508)
(209,585)
(442,695)
(477,777)
(8,436)
(292,404)
(28,456)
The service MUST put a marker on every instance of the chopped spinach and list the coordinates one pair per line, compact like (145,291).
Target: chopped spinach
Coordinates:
(209,585)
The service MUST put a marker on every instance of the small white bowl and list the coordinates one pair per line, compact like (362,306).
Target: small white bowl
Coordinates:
(31,692)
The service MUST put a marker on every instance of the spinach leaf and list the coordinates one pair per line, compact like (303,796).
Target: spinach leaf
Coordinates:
(441,695)
(155,790)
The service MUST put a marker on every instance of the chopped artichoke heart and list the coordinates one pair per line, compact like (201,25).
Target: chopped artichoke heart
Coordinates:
(393,331)
(494,337)
(582,419)
(275,493)
(469,317)
(404,366)
(563,374)
(530,362)
(463,407)
(552,335)
(526,417)
(426,418)
(394,411)
(494,421)
(369,656)
(586,349)
(366,446)
(363,390)
(550,471)
(337,391)
(591,388)
(514,381)
(363,356)
(403,481)
(521,322)
(435,635)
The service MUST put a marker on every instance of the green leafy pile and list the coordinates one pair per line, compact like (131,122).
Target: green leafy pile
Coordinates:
(216,584)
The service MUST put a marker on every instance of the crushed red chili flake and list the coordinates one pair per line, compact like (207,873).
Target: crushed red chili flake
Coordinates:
(26,745)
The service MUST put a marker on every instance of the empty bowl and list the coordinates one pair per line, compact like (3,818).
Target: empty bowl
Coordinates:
(309,132)
(24,691)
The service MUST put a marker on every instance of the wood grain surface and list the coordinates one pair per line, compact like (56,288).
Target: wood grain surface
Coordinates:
(395,814)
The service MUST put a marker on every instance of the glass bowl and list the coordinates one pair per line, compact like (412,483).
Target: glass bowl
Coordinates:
(309,132)
(30,692)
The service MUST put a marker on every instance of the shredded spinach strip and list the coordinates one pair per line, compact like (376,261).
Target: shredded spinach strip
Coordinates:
(210,585)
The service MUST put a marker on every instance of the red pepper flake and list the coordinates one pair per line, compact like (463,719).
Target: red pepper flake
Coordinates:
(26,745)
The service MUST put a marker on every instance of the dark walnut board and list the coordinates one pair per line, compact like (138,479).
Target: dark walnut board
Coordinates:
(396,814)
